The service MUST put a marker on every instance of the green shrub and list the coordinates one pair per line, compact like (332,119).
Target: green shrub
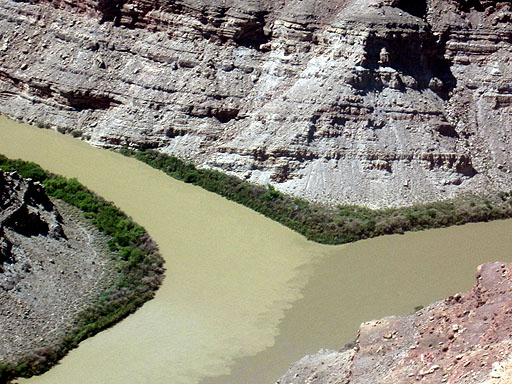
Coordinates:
(5,372)
(271,194)
(325,224)
(27,170)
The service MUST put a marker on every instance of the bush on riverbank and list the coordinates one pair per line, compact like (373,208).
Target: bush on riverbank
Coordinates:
(325,224)
(138,262)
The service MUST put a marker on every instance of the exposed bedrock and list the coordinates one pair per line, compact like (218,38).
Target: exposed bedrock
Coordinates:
(25,209)
(465,338)
(374,102)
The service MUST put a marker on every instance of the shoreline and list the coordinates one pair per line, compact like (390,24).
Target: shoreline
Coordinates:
(328,225)
(135,256)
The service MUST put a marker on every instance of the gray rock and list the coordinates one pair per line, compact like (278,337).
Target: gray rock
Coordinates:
(253,88)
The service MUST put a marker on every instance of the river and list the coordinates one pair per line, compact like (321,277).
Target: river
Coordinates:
(243,296)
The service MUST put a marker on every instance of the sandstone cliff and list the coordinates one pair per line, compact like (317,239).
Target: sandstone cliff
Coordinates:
(375,102)
(466,338)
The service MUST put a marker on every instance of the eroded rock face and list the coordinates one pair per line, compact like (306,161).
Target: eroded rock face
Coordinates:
(26,210)
(466,338)
(374,102)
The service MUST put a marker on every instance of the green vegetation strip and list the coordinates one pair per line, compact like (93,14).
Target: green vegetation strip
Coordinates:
(139,266)
(329,225)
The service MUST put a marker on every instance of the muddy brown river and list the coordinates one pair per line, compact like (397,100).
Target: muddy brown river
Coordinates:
(243,296)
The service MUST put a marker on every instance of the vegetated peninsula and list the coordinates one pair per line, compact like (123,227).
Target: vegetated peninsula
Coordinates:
(52,265)
(63,276)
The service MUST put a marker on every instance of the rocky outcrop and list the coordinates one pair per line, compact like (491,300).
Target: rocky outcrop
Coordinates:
(44,256)
(374,102)
(26,209)
(465,338)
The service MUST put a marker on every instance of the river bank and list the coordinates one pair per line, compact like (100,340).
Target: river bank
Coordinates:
(132,261)
(326,224)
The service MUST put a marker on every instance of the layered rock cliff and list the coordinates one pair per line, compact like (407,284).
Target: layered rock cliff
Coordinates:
(374,102)
(465,338)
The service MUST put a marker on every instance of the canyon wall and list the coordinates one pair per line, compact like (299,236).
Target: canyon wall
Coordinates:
(373,102)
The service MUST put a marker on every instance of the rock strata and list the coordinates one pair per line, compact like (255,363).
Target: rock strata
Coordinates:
(465,338)
(374,102)
(43,257)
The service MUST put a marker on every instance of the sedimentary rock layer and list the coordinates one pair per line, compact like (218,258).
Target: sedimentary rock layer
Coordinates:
(465,338)
(374,102)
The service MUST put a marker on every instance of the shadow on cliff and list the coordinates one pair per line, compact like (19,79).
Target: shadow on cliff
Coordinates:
(417,56)
(418,59)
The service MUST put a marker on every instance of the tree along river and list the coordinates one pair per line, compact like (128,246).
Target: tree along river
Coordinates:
(243,296)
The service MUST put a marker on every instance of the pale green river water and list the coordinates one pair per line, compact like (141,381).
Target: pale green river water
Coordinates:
(243,296)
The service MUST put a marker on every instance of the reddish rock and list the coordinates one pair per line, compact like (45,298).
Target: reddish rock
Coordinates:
(466,338)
